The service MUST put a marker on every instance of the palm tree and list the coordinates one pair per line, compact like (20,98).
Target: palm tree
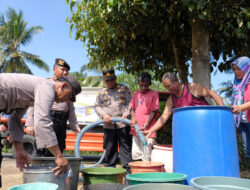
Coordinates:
(14,33)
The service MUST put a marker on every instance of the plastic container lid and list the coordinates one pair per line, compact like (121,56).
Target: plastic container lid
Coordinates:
(220,183)
(156,177)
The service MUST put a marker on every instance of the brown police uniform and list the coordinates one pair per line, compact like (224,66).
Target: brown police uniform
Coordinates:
(115,102)
(20,91)
(60,113)
(17,93)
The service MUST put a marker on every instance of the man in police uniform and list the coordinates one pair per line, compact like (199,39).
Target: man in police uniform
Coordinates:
(20,91)
(60,112)
(113,101)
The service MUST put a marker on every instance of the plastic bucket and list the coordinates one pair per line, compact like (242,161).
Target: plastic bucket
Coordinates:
(164,154)
(160,177)
(204,142)
(74,164)
(144,167)
(42,173)
(101,175)
(156,186)
(36,186)
(221,183)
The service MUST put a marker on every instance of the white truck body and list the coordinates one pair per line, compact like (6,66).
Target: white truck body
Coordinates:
(84,105)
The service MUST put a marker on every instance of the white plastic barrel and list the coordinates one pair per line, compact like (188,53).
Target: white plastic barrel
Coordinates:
(163,153)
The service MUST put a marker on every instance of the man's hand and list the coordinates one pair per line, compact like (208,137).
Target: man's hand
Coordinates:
(62,165)
(106,118)
(22,158)
(61,161)
(30,130)
(147,133)
(236,109)
(132,122)
(145,125)
(77,130)
(124,116)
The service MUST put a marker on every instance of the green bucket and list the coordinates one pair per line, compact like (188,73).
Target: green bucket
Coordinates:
(101,175)
(158,177)
(162,186)
(220,183)
(36,186)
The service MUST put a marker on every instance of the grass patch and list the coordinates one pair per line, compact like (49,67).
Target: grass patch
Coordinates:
(71,152)
(6,150)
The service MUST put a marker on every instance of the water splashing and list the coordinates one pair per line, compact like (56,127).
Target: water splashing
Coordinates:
(146,154)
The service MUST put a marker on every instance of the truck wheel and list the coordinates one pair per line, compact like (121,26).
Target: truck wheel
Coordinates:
(29,146)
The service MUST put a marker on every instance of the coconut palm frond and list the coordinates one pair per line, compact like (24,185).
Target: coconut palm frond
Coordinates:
(92,81)
(26,37)
(226,89)
(14,33)
(35,60)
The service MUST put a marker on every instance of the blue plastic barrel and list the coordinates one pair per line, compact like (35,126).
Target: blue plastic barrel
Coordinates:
(204,142)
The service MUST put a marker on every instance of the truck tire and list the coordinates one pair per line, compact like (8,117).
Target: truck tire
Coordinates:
(29,146)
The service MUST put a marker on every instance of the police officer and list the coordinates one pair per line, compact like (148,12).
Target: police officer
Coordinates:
(113,101)
(20,91)
(60,112)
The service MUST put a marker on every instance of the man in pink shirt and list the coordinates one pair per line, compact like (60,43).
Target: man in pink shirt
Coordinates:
(144,105)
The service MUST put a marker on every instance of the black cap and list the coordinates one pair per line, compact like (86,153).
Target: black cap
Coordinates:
(76,88)
(62,63)
(108,74)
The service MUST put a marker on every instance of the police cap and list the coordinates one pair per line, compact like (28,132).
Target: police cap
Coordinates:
(108,74)
(62,63)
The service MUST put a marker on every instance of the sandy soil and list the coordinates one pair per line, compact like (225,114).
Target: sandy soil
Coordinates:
(11,176)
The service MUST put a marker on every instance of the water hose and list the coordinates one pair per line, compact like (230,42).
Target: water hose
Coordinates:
(92,125)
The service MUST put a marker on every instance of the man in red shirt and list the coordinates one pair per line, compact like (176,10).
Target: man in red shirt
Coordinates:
(144,105)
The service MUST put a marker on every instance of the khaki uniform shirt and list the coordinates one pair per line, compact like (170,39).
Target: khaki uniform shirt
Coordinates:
(62,106)
(20,91)
(114,102)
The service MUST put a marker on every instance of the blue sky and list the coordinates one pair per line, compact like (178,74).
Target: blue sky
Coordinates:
(54,41)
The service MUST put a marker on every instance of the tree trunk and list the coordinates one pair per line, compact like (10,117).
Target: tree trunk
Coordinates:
(180,63)
(200,53)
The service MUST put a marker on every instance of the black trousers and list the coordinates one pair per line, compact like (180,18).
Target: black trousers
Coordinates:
(59,125)
(113,138)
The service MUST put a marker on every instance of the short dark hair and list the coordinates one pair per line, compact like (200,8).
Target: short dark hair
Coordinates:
(144,77)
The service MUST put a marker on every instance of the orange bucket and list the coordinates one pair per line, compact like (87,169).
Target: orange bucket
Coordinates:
(144,167)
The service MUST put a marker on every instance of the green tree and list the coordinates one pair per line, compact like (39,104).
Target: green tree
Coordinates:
(89,81)
(162,35)
(132,82)
(79,76)
(93,81)
(14,33)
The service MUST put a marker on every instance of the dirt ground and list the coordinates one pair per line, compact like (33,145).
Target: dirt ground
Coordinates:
(11,176)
